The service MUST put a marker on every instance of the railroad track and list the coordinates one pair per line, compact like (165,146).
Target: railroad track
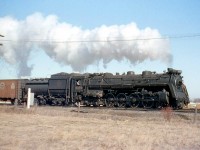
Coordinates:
(184,110)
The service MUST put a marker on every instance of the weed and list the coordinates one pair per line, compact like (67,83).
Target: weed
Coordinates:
(167,113)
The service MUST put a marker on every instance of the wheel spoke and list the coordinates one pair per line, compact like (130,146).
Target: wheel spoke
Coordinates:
(109,100)
(134,100)
(121,98)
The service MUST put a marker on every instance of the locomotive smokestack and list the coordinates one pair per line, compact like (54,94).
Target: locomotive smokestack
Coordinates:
(77,47)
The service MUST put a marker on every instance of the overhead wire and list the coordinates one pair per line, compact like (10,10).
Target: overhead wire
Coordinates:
(108,40)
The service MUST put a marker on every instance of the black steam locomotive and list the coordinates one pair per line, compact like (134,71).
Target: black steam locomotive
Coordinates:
(149,89)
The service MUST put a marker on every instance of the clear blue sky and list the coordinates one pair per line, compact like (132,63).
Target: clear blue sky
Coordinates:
(169,17)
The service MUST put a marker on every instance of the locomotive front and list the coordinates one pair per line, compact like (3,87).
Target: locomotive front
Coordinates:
(179,94)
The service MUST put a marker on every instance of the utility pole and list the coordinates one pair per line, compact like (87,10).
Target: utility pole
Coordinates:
(1,43)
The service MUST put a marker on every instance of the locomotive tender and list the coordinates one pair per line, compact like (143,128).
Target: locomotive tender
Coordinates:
(149,89)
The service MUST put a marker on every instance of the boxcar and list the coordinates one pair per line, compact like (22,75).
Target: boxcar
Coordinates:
(12,89)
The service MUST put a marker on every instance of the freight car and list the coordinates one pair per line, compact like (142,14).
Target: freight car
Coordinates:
(149,89)
(13,89)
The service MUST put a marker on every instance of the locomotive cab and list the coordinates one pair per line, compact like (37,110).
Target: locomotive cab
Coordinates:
(59,89)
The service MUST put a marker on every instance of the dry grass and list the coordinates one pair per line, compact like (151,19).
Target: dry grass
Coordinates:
(62,128)
(193,105)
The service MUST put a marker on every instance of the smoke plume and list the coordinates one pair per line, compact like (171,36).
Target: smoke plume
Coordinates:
(77,47)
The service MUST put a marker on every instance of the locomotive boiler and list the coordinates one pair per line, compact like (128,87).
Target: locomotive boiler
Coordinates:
(148,89)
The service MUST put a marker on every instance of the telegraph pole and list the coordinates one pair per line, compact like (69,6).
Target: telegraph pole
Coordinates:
(1,43)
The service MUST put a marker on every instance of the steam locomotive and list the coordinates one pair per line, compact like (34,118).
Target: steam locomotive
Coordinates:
(149,89)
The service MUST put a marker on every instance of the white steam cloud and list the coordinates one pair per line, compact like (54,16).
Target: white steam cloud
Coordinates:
(78,48)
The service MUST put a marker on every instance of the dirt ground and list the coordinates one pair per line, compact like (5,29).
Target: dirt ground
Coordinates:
(55,128)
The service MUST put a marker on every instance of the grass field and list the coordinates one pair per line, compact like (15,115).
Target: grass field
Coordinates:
(56,128)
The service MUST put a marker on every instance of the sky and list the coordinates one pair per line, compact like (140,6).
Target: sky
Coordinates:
(47,37)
